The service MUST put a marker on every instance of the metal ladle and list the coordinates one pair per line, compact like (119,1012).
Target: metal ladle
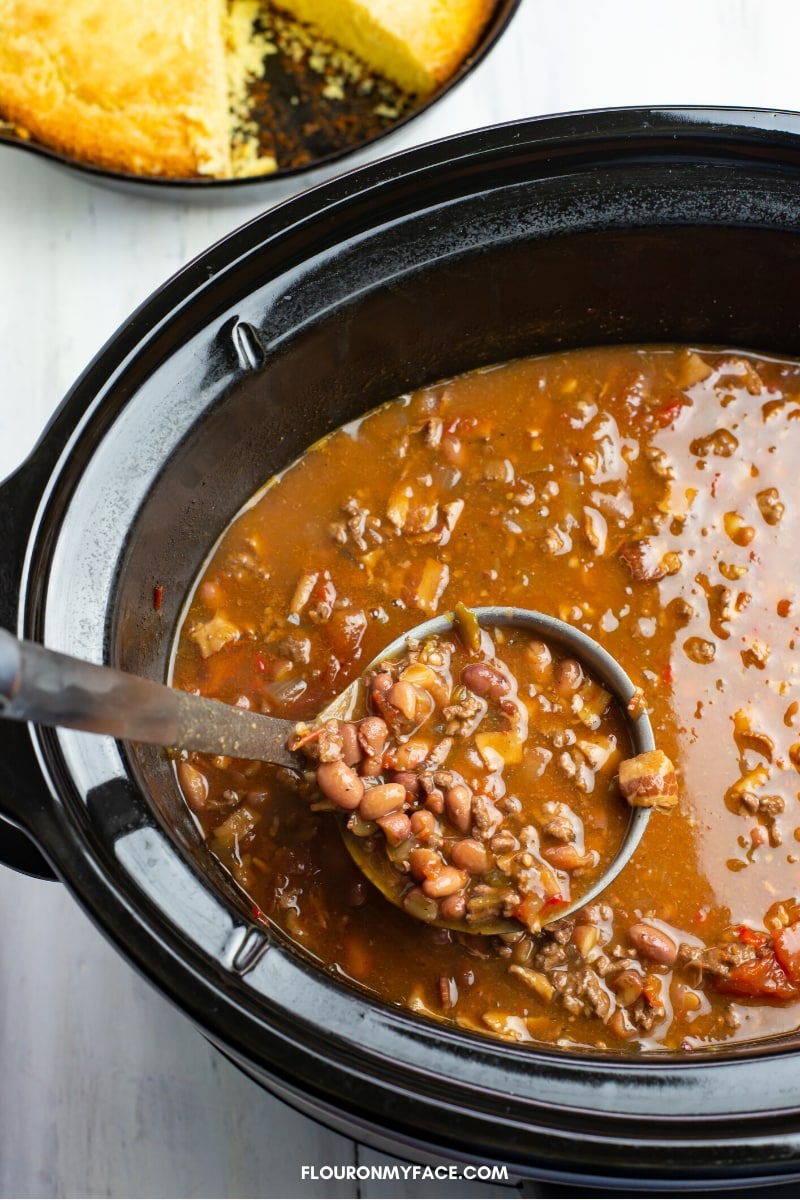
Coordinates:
(50,688)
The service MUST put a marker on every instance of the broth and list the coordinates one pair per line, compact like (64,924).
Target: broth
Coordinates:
(643,494)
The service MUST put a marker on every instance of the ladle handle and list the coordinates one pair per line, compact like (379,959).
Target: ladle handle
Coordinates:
(50,688)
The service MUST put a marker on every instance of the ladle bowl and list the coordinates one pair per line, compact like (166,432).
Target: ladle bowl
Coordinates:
(601,665)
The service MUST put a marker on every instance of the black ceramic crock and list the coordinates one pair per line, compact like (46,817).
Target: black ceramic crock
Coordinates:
(628,226)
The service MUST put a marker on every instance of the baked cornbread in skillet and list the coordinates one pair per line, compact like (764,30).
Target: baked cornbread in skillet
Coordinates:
(160,89)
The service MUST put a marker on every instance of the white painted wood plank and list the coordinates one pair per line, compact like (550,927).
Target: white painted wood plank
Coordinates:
(106,1090)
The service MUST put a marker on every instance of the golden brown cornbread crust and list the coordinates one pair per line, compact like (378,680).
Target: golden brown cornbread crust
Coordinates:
(418,44)
(142,86)
(136,87)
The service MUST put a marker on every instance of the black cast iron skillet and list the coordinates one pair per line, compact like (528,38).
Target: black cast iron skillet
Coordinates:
(294,118)
(626,226)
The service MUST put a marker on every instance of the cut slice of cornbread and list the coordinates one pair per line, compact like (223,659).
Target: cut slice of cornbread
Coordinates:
(417,44)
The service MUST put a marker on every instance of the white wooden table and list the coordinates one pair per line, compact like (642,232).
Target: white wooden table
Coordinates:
(105,1090)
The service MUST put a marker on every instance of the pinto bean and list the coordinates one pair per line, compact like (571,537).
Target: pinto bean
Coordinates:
(373,733)
(340,784)
(370,768)
(381,800)
(569,858)
(458,803)
(404,696)
(211,593)
(503,842)
(453,908)
(435,802)
(470,855)
(409,780)
(653,943)
(351,750)
(627,986)
(411,754)
(448,881)
(194,784)
(485,681)
(424,863)
(568,676)
(380,684)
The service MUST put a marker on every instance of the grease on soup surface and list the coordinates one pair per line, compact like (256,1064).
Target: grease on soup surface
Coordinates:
(647,496)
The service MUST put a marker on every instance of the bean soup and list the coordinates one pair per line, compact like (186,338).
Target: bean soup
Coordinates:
(644,494)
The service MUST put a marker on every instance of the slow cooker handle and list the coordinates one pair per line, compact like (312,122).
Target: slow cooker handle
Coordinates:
(23,791)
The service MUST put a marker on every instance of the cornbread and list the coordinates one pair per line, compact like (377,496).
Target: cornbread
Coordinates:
(418,44)
(161,88)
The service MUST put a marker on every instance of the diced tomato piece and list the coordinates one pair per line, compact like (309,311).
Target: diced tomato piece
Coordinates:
(763,979)
(668,413)
(751,937)
(787,951)
(651,989)
(529,911)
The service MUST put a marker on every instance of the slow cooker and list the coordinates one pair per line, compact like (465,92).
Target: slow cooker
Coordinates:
(626,226)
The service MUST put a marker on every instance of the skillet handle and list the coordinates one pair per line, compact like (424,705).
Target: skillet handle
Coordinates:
(23,790)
